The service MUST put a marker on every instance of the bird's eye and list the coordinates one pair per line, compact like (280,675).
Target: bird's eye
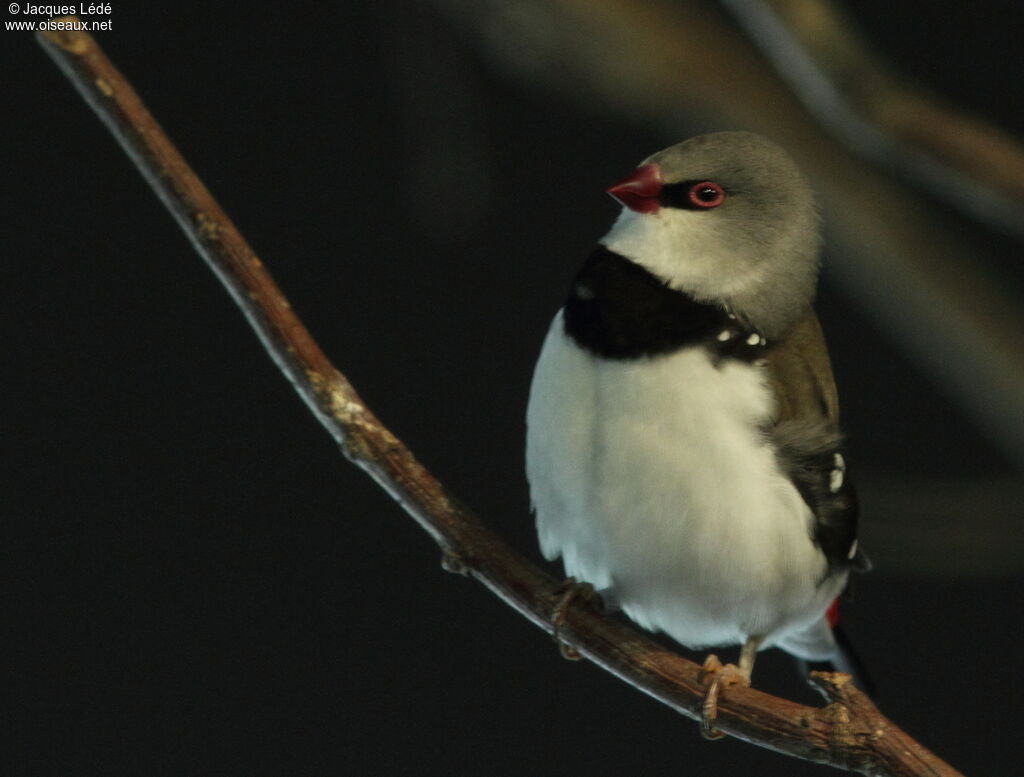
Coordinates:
(706,194)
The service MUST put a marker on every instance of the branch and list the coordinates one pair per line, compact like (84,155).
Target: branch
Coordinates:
(849,733)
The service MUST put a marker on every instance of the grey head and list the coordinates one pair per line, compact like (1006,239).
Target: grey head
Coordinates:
(728,218)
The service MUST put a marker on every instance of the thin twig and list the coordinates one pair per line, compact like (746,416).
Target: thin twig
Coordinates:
(849,733)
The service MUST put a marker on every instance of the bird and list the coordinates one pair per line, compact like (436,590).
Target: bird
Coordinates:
(683,448)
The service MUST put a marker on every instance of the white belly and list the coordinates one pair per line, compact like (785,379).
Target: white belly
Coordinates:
(651,477)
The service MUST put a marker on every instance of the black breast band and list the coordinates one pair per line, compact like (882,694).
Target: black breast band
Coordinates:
(619,310)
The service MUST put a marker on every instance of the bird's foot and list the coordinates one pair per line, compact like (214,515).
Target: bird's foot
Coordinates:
(716,676)
(570,590)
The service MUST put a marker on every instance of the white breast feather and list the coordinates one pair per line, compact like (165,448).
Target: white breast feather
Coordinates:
(651,477)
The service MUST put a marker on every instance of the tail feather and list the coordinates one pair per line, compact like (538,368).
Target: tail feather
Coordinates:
(845,660)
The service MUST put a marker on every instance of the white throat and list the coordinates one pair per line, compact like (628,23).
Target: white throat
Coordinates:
(682,249)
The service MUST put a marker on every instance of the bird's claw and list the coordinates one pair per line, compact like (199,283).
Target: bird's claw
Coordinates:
(720,676)
(570,590)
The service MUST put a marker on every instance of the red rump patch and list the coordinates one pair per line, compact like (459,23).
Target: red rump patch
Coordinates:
(832,613)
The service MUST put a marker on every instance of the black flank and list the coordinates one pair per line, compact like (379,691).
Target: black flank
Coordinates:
(835,528)
(835,512)
(618,310)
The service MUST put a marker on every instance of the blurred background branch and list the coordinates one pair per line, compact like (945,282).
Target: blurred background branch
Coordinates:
(877,113)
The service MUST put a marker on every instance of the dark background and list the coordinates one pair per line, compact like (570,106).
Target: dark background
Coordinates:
(195,582)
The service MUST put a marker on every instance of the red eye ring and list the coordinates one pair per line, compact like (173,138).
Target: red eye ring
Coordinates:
(706,195)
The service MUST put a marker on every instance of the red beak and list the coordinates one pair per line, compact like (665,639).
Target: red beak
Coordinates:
(640,191)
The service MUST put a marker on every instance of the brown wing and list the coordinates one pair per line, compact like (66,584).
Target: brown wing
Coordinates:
(801,375)
(805,433)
